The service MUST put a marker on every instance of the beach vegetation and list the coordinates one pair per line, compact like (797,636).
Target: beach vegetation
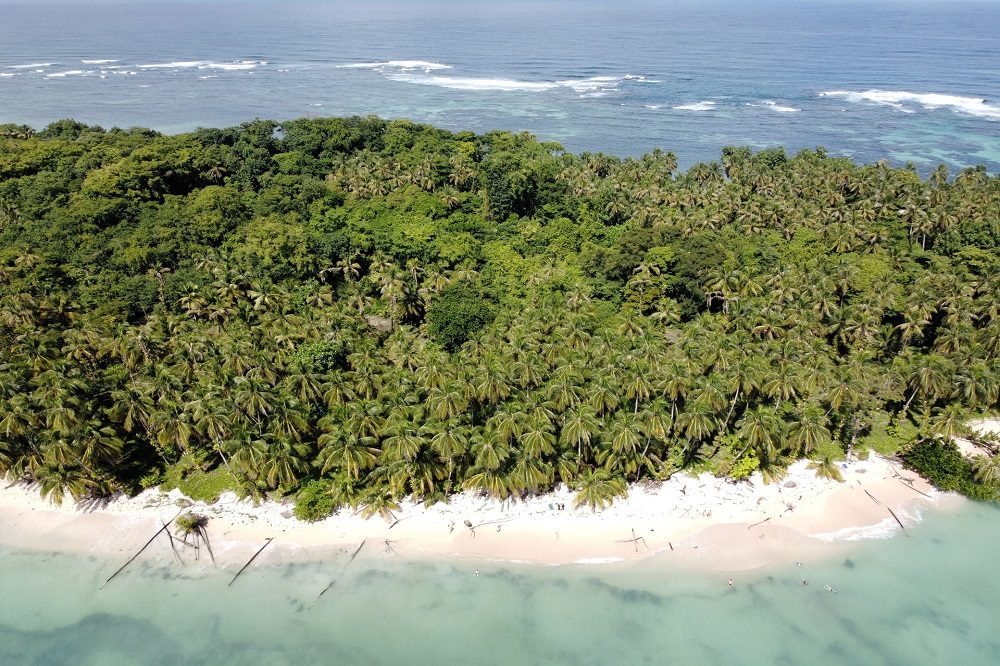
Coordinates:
(940,462)
(189,475)
(827,469)
(357,311)
(315,501)
(744,467)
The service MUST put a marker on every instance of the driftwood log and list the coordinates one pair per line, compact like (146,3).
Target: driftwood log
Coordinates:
(333,582)
(250,561)
(132,559)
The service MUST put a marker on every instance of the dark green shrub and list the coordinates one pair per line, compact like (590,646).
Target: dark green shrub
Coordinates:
(458,314)
(314,502)
(940,462)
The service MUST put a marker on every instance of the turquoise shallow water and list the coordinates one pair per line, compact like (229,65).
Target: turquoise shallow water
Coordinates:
(927,598)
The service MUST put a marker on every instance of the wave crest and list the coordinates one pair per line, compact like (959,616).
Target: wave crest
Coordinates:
(774,106)
(904,99)
(421,72)
(695,106)
(397,64)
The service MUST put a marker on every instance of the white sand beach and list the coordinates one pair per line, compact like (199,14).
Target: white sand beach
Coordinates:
(704,521)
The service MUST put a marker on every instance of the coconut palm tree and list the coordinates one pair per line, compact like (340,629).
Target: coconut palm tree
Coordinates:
(827,469)
(597,489)
(986,468)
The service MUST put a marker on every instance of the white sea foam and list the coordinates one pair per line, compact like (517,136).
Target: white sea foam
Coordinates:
(397,64)
(59,75)
(885,529)
(6,75)
(231,66)
(598,560)
(465,83)
(900,99)
(210,76)
(33,65)
(175,65)
(234,66)
(421,72)
(695,106)
(774,106)
(652,106)
(97,62)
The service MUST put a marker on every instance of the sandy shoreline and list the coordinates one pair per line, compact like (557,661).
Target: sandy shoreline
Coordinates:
(705,522)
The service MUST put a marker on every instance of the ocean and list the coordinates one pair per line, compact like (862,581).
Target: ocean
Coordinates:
(904,80)
(926,598)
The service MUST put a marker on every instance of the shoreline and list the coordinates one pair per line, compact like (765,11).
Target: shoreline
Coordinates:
(703,522)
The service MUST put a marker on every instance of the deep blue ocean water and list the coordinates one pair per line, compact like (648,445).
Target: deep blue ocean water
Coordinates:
(906,80)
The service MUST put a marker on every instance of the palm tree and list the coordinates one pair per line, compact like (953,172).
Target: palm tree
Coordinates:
(597,489)
(827,469)
(950,422)
(762,430)
(986,468)
(808,429)
(378,503)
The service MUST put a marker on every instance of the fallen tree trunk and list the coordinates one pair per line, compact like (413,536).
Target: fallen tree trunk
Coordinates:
(250,561)
(332,582)
(132,559)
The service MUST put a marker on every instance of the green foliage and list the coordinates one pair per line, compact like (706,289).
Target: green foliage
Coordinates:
(315,501)
(458,314)
(941,463)
(188,476)
(827,469)
(190,522)
(887,436)
(278,300)
(744,467)
(320,358)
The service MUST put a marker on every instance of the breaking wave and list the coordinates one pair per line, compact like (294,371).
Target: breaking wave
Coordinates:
(59,75)
(695,106)
(34,65)
(183,64)
(905,100)
(397,64)
(421,72)
(774,106)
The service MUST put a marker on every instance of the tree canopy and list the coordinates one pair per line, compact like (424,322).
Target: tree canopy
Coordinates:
(373,309)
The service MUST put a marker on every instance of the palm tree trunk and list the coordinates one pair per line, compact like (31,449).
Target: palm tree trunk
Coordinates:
(736,397)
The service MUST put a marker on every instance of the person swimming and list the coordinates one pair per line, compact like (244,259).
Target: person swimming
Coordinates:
(730,582)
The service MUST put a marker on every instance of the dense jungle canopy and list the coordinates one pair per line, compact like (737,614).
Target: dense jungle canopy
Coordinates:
(359,310)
